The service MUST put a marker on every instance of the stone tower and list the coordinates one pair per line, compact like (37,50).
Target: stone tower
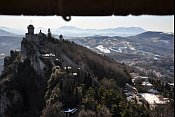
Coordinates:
(30,29)
(30,34)
(61,37)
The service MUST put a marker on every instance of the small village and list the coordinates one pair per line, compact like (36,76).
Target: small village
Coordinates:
(149,96)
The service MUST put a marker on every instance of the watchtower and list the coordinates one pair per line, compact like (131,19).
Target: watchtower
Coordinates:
(30,29)
(30,34)
(61,37)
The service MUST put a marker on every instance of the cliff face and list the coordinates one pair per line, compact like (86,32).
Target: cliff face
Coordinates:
(47,71)
(30,50)
(20,85)
(24,79)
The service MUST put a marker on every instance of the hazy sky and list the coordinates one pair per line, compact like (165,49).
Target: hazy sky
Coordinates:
(151,23)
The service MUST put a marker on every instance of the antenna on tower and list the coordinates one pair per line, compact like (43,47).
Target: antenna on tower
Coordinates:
(30,22)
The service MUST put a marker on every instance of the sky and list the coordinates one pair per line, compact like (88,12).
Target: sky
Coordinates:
(147,22)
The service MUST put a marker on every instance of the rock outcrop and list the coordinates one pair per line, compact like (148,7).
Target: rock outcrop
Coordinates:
(24,78)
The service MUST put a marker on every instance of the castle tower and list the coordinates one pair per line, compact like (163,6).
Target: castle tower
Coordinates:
(30,34)
(61,37)
(30,29)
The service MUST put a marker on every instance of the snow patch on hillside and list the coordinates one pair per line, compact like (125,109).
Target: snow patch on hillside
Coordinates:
(103,49)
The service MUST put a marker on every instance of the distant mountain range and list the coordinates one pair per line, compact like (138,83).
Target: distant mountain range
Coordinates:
(5,33)
(77,32)
(13,30)
(71,31)
(153,34)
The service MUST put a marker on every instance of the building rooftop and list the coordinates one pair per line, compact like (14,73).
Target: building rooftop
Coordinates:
(153,99)
(69,110)
(145,83)
(171,84)
(49,55)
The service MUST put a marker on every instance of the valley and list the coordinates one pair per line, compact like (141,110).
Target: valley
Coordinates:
(151,52)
